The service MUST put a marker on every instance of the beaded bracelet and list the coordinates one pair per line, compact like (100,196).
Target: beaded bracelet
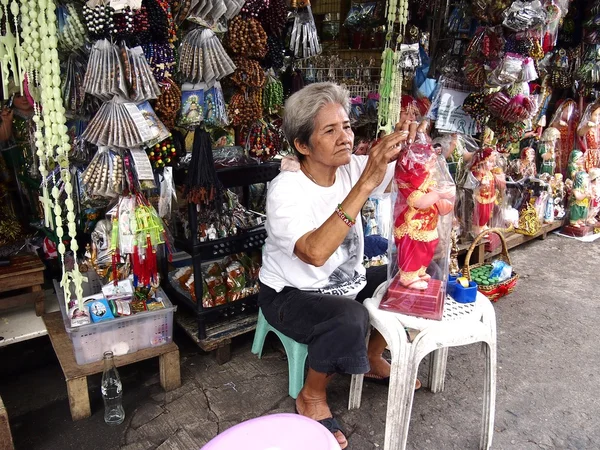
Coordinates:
(345,217)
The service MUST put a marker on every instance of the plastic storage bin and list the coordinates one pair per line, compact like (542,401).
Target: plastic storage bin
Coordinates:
(120,335)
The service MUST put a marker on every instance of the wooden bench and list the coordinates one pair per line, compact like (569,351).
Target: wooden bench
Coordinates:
(21,283)
(76,375)
(6,441)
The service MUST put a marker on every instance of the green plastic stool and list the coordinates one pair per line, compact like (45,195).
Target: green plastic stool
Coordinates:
(296,353)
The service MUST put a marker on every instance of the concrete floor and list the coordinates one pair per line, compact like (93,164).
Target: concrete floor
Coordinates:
(546,397)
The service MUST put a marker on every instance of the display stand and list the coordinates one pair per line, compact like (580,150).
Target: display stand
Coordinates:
(580,231)
(21,283)
(515,239)
(213,328)
(76,375)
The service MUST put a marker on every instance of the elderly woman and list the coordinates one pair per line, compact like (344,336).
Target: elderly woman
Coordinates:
(312,278)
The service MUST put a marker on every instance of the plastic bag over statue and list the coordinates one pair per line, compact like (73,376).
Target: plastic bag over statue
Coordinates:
(420,249)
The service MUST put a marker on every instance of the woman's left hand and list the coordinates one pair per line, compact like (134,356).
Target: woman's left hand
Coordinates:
(381,155)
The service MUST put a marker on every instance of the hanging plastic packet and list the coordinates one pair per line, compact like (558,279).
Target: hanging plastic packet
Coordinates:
(215,109)
(304,41)
(192,105)
(203,58)
(168,193)
(157,130)
(522,16)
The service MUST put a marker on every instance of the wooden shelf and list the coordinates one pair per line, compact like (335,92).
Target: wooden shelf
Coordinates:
(515,239)
(21,324)
(219,334)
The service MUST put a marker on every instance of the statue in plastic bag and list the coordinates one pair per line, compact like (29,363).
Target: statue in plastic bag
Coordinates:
(483,168)
(589,134)
(425,191)
(594,196)
(565,121)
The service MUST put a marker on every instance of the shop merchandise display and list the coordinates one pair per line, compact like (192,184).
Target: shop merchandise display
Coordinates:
(149,119)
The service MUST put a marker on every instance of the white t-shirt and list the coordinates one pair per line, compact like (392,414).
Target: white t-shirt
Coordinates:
(295,206)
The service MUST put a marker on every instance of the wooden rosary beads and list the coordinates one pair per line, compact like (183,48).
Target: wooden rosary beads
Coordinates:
(245,107)
(168,103)
(248,72)
(247,38)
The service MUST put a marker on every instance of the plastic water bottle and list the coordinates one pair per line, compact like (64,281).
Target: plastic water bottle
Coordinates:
(112,392)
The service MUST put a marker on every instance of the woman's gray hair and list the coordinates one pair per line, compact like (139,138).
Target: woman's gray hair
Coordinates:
(302,108)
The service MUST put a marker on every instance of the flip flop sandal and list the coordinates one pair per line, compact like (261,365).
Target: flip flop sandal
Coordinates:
(377,380)
(333,426)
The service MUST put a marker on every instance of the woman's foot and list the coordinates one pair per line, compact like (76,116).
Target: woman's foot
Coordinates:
(425,277)
(380,368)
(316,408)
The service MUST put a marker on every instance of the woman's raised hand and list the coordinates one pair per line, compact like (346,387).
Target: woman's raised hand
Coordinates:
(386,151)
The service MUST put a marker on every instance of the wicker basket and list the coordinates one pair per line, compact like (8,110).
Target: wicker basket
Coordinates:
(493,291)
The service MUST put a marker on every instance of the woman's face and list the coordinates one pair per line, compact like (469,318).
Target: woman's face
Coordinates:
(332,140)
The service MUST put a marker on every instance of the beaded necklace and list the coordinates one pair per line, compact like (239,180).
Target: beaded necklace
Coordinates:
(390,86)
(51,137)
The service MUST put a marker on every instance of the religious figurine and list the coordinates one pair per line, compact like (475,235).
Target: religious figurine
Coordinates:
(595,196)
(423,196)
(211,232)
(565,121)
(368,213)
(589,134)
(558,194)
(576,163)
(547,150)
(526,165)
(453,268)
(484,171)
(579,202)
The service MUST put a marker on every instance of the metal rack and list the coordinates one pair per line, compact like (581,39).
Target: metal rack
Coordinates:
(360,76)
(213,327)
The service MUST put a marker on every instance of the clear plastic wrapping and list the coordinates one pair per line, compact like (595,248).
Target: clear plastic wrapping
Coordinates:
(565,121)
(422,224)
(588,132)
(490,180)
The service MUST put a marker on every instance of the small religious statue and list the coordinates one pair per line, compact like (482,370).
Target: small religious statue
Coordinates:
(484,170)
(422,198)
(576,163)
(454,269)
(527,167)
(565,120)
(211,232)
(202,236)
(579,202)
(589,134)
(595,196)
(558,194)
(547,150)
(368,213)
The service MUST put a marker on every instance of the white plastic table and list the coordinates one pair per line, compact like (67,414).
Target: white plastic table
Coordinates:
(461,324)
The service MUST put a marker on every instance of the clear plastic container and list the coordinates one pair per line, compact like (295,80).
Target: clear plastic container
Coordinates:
(122,335)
